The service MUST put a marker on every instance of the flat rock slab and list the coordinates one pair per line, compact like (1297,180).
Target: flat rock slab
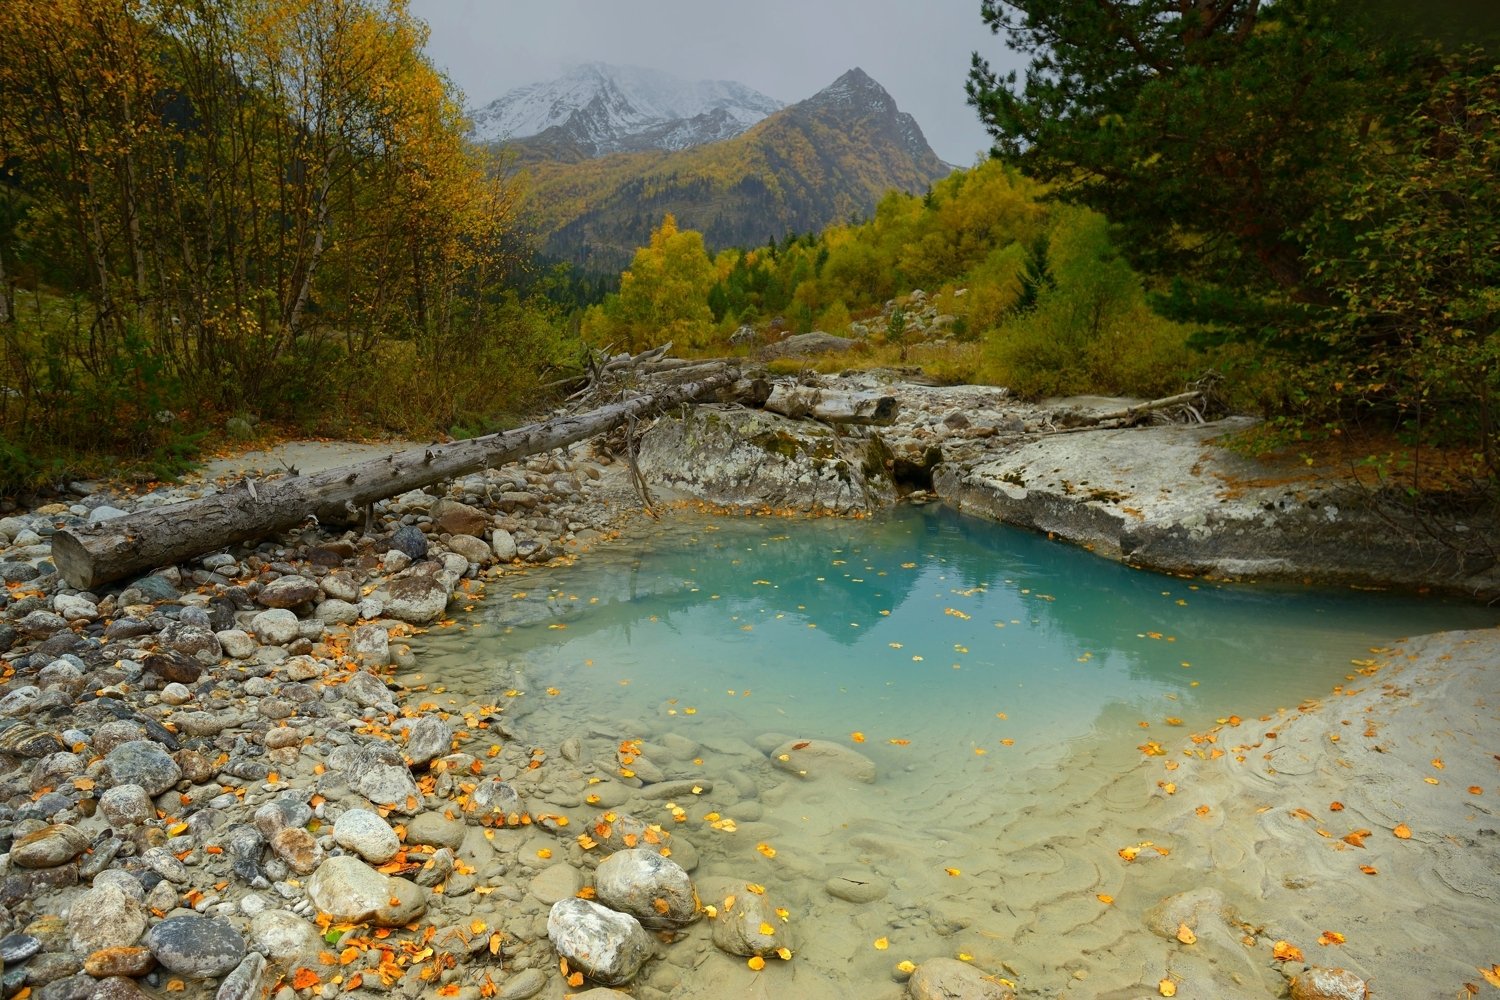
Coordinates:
(1172,498)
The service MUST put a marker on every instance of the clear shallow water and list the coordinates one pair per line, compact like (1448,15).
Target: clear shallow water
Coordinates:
(999,681)
(922,624)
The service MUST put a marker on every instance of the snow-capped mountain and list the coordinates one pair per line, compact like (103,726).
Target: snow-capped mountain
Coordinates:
(608,109)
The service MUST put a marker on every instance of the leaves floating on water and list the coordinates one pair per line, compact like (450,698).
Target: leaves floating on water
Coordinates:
(1185,934)
(857,737)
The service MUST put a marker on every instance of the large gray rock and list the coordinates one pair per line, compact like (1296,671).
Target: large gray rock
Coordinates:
(608,947)
(144,763)
(457,518)
(48,847)
(244,983)
(371,646)
(197,641)
(653,889)
(504,544)
(950,979)
(349,889)
(752,457)
(364,688)
(289,592)
(276,627)
(808,345)
(474,550)
(428,738)
(367,834)
(416,599)
(105,917)
(284,937)
(197,947)
(814,759)
(740,929)
(127,805)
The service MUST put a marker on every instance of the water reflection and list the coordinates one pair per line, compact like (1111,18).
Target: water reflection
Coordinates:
(924,619)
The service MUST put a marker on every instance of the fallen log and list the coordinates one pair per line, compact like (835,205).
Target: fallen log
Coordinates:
(97,554)
(832,406)
(1079,420)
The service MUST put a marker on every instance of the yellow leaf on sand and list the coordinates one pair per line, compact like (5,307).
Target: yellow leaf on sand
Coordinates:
(1402,831)
(1491,975)
(1285,951)
(1105,898)
(1330,937)
(1185,934)
(784,953)
(953,871)
(756,962)
(1167,988)
(881,944)
(766,849)
(906,967)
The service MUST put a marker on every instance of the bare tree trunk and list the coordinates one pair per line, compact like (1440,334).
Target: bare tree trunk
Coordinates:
(93,555)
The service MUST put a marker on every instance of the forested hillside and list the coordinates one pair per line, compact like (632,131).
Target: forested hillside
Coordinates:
(256,208)
(1023,291)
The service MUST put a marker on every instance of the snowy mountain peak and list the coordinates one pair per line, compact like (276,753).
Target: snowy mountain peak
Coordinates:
(606,109)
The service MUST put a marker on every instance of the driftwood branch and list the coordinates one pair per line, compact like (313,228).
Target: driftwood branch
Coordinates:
(1076,420)
(97,554)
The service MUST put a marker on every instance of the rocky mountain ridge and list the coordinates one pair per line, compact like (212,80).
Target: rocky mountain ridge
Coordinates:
(826,159)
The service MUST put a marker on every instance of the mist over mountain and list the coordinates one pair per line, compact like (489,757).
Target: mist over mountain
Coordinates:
(597,109)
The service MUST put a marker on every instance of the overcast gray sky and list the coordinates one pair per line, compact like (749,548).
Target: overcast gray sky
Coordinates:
(788,49)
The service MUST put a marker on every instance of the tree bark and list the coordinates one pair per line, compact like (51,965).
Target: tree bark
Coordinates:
(90,556)
(832,406)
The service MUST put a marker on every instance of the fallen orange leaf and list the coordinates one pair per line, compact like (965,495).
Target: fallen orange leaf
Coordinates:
(881,944)
(1105,898)
(1369,869)
(1167,988)
(1284,951)
(305,979)
(1185,934)
(1402,831)
(1491,975)
(756,963)
(1330,937)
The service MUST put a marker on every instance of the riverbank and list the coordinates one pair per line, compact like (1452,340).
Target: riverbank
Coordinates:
(178,754)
